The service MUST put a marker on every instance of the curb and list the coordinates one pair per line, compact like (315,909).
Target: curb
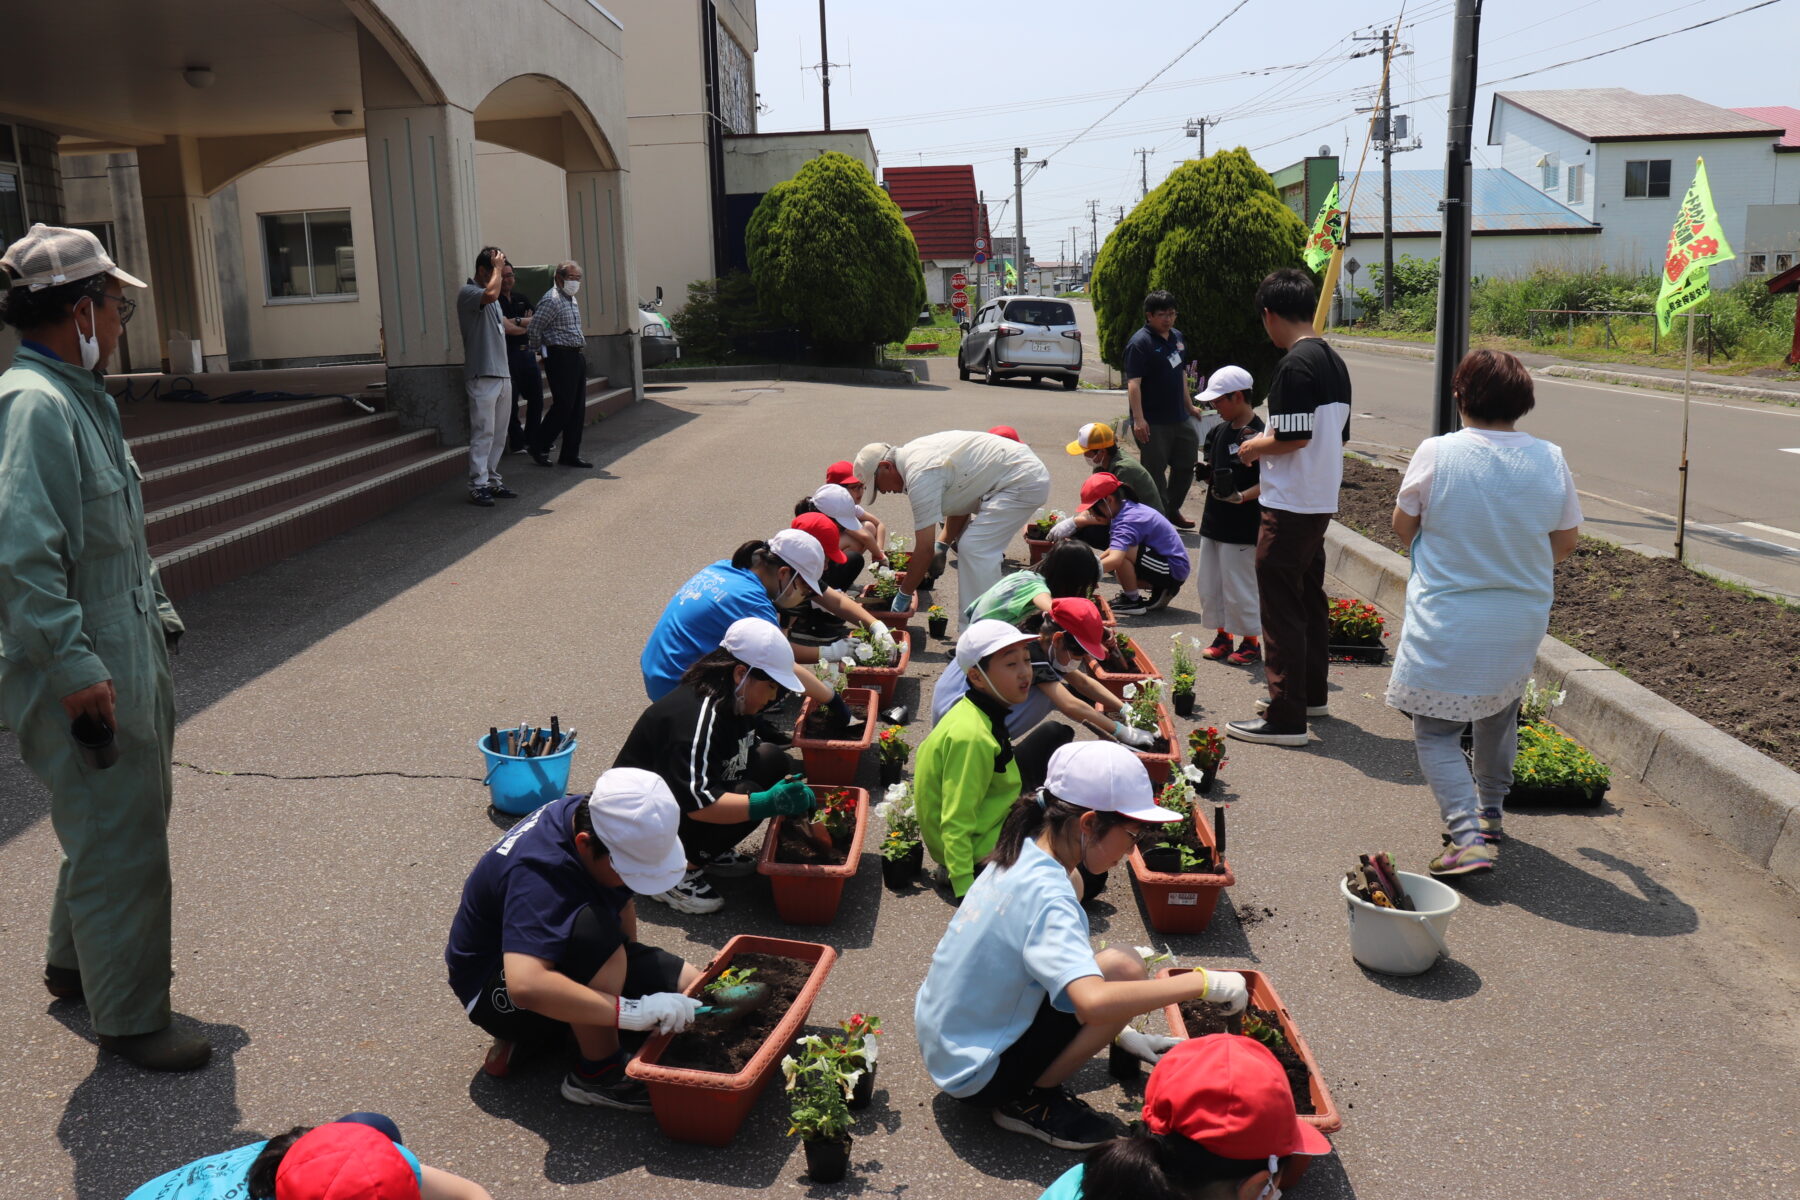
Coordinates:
(1397,349)
(1700,387)
(781,371)
(1741,796)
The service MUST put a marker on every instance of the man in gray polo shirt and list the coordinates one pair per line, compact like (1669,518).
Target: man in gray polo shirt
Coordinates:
(487,377)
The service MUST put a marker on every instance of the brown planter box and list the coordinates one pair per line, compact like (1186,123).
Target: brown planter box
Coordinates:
(707,1107)
(833,761)
(1162,765)
(1178,902)
(1115,682)
(883,679)
(809,893)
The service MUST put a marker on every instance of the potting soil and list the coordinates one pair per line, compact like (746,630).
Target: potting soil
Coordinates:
(817,729)
(719,1043)
(799,846)
(1202,1018)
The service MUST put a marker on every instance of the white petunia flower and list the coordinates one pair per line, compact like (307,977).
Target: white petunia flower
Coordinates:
(1194,774)
(896,793)
(1131,691)
(864,652)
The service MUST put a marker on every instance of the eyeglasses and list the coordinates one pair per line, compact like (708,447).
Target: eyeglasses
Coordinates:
(127,306)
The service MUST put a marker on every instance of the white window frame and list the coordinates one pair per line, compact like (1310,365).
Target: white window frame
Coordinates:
(270,299)
(1649,185)
(1577,181)
(1756,263)
(1784,262)
(1552,173)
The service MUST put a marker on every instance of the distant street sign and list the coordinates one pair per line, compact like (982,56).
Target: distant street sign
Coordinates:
(981,243)
(980,258)
(959,298)
(959,280)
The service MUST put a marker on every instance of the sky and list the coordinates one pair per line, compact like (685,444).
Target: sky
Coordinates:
(937,84)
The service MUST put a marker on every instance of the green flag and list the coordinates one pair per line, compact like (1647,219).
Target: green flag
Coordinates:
(1327,232)
(1695,244)
(1012,276)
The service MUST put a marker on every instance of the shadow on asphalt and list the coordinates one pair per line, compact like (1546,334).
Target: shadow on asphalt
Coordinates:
(250,626)
(1615,897)
(1450,979)
(125,1123)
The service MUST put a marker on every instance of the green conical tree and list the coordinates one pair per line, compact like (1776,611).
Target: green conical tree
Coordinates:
(830,252)
(1208,233)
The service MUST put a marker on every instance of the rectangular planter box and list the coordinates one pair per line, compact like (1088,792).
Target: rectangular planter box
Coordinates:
(893,620)
(883,679)
(806,893)
(1181,903)
(1161,765)
(707,1107)
(1115,682)
(834,761)
(1324,1116)
(1363,652)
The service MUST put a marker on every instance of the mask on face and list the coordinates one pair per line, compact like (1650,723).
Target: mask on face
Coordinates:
(571,286)
(1271,1190)
(90,343)
(781,600)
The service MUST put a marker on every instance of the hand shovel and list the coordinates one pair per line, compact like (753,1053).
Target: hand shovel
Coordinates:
(736,1002)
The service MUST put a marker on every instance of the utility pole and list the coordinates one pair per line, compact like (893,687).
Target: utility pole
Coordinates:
(1093,234)
(1019,153)
(1143,171)
(1387,132)
(1196,127)
(1455,253)
(824,67)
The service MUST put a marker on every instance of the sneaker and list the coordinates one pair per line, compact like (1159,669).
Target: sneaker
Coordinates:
(613,1089)
(1464,860)
(1312,710)
(1249,652)
(479,497)
(168,1049)
(63,982)
(1491,833)
(692,895)
(1179,521)
(1221,646)
(1266,734)
(1135,606)
(498,1062)
(500,491)
(1052,1115)
(1160,597)
(733,864)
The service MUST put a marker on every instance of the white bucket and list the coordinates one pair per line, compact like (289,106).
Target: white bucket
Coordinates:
(1395,942)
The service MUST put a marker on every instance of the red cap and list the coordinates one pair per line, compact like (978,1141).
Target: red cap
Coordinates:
(823,528)
(343,1161)
(1007,431)
(1081,621)
(1098,486)
(842,474)
(1229,1094)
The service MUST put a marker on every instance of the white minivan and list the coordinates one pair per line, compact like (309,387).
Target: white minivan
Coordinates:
(1031,337)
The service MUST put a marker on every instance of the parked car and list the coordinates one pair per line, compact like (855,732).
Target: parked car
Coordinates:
(1030,337)
(656,336)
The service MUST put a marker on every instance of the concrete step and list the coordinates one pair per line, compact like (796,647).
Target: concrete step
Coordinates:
(209,469)
(213,437)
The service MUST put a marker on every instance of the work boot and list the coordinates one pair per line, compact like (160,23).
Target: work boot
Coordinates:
(62,982)
(168,1049)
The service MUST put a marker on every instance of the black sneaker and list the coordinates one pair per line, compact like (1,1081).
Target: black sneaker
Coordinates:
(63,982)
(1135,606)
(614,1089)
(733,864)
(1159,598)
(500,491)
(1052,1115)
(1269,735)
(480,498)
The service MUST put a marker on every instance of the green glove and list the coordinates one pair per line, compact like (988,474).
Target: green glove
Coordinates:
(789,798)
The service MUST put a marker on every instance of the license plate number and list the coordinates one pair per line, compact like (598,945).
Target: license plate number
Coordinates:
(1046,346)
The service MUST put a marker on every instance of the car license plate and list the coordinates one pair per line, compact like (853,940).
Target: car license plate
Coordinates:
(1046,347)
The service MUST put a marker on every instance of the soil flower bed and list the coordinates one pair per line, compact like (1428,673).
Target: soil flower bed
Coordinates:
(1728,657)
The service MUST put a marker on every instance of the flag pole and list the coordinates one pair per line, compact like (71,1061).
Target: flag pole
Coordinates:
(1687,379)
(1322,316)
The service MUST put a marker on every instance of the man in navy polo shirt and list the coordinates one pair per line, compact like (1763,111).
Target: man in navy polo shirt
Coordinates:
(1160,412)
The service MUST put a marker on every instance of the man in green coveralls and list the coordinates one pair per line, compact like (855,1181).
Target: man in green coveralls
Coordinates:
(85,630)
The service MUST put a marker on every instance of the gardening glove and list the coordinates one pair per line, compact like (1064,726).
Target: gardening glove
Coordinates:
(1150,1047)
(882,636)
(1143,739)
(903,602)
(789,798)
(837,651)
(1064,528)
(665,1012)
(1228,989)
(940,553)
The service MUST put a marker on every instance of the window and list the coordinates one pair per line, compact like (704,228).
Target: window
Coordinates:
(309,255)
(1783,262)
(102,230)
(1756,264)
(1040,312)
(1550,174)
(1647,179)
(1576,182)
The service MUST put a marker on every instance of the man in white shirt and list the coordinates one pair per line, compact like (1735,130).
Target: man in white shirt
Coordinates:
(997,483)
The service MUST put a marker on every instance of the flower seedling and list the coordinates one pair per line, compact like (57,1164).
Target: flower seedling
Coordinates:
(887,582)
(872,650)
(896,809)
(837,812)
(892,745)
(1044,520)
(832,675)
(1537,702)
(937,613)
(1266,1032)
(1549,758)
(729,978)
(1184,661)
(1355,621)
(1183,683)
(1206,749)
(1140,704)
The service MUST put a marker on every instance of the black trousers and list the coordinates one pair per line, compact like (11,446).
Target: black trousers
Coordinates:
(1033,752)
(528,385)
(567,368)
(704,839)
(843,576)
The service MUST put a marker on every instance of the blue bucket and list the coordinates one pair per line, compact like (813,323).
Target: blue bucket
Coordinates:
(520,785)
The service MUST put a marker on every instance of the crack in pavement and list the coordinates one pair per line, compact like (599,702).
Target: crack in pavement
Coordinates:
(351,775)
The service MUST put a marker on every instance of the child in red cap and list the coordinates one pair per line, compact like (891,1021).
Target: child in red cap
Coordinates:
(1218,1121)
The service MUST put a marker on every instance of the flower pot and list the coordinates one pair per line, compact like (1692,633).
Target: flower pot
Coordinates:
(1115,681)
(1324,1116)
(1178,902)
(809,893)
(891,772)
(1163,862)
(833,761)
(1160,765)
(708,1107)
(883,679)
(863,1094)
(1184,704)
(938,627)
(826,1161)
(1555,795)
(1122,1064)
(1363,650)
(1038,546)
(1208,777)
(900,872)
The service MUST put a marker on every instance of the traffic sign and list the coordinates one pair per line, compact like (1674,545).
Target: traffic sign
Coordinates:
(958,280)
(981,243)
(959,298)
(980,258)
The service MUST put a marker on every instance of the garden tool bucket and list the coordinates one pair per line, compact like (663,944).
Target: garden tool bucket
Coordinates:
(1396,942)
(519,785)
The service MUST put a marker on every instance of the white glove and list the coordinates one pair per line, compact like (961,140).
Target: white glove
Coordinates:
(1150,1047)
(666,1012)
(1228,989)
(1141,738)
(838,651)
(882,636)
(1062,529)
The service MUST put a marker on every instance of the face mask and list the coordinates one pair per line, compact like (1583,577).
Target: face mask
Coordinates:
(1271,1190)
(90,344)
(738,694)
(781,596)
(571,286)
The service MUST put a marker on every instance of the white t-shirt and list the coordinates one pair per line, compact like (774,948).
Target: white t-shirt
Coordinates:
(1309,398)
(1415,486)
(949,474)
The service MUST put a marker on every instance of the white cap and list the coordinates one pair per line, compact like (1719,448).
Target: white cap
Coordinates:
(868,459)
(760,644)
(1225,381)
(637,818)
(1105,777)
(835,501)
(987,637)
(49,255)
(801,551)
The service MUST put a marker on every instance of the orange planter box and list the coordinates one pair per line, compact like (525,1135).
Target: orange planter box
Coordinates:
(1161,765)
(1181,902)
(809,893)
(883,679)
(1115,682)
(833,761)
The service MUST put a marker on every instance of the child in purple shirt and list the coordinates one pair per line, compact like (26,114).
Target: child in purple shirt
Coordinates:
(1144,551)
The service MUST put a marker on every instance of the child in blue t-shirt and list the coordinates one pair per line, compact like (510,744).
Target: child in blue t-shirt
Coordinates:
(1016,999)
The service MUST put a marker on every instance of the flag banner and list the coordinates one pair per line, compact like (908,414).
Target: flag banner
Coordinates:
(1695,244)
(1012,276)
(1327,232)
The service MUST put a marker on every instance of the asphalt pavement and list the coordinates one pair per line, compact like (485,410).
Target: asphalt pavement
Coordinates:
(1619,1017)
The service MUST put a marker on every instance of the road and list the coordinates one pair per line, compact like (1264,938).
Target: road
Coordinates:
(1624,446)
(1619,1017)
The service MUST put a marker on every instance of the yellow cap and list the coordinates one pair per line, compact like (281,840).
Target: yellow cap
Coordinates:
(1095,436)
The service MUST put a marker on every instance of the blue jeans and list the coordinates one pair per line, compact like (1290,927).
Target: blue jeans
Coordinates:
(1462,794)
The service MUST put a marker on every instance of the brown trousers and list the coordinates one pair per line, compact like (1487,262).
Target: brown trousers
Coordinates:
(1290,575)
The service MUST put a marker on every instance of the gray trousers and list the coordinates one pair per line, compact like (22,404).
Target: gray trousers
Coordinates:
(1462,793)
(1169,456)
